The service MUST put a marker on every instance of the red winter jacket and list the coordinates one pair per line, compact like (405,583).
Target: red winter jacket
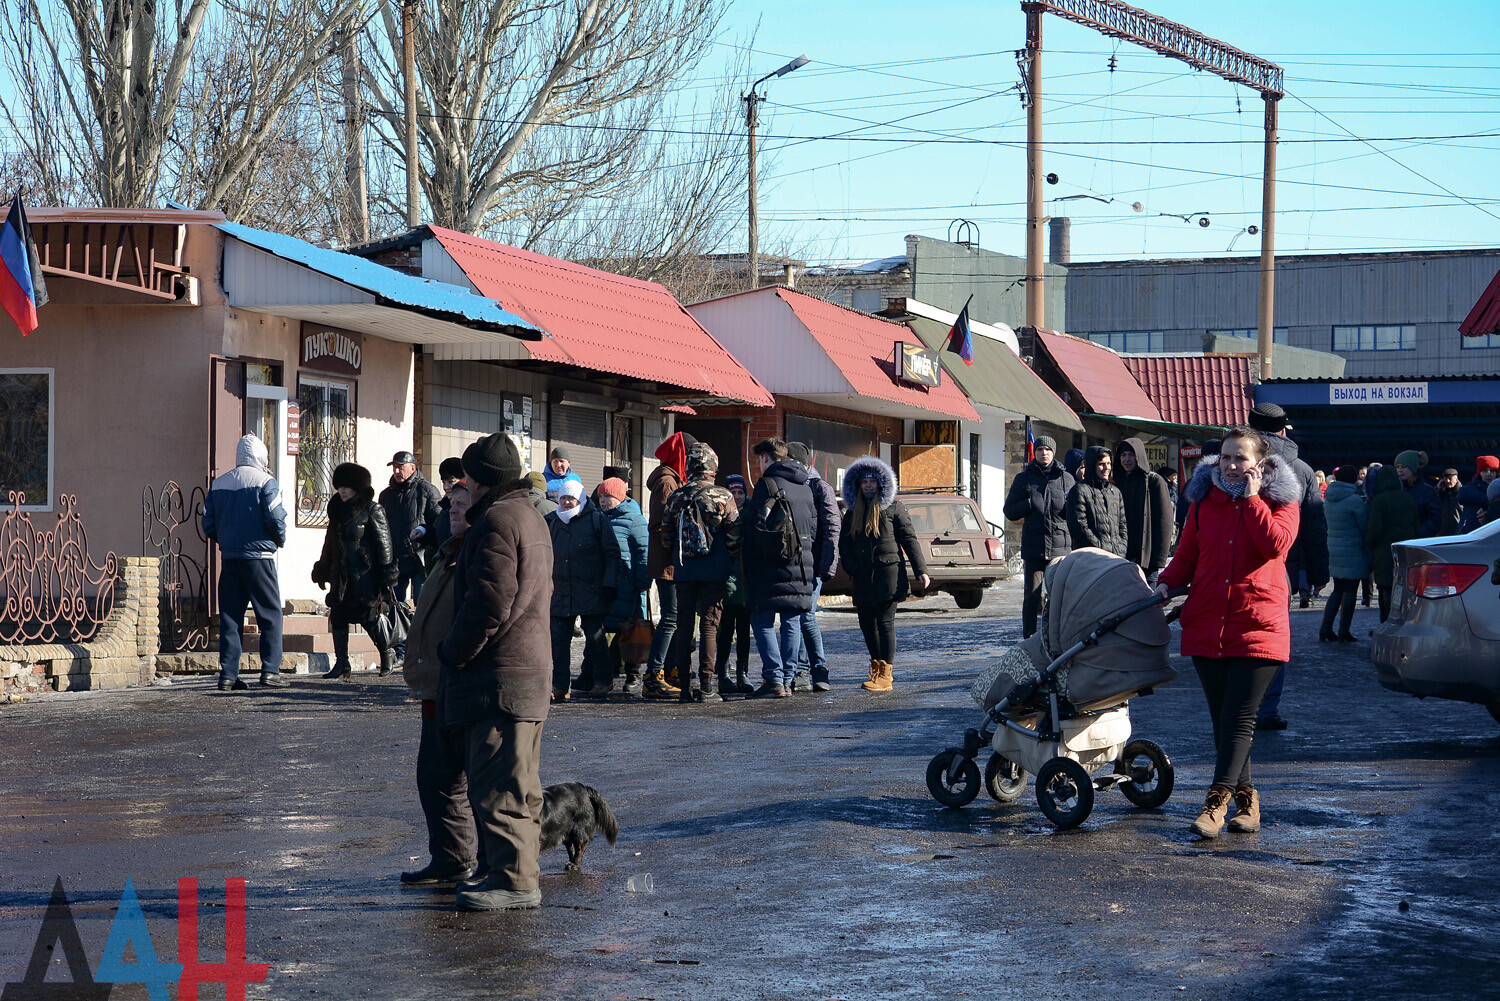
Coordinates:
(1233,552)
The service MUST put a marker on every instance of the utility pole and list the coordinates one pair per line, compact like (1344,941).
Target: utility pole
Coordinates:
(1036,313)
(752,119)
(409,70)
(1266,316)
(356,185)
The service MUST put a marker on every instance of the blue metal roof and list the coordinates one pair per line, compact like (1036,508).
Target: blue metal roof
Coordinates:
(393,288)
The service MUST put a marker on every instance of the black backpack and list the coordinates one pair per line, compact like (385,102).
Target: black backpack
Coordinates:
(773,532)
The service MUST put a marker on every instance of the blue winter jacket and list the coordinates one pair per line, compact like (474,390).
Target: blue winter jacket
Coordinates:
(633,538)
(555,482)
(1473,502)
(1429,508)
(243,511)
(1348,517)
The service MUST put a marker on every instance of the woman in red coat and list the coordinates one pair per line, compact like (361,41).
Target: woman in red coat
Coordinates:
(1235,623)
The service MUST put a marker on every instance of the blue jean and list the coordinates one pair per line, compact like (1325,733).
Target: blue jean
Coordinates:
(811,657)
(1272,700)
(249,583)
(779,646)
(666,628)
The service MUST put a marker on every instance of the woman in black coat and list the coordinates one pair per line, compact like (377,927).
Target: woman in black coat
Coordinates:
(1096,508)
(358,564)
(876,531)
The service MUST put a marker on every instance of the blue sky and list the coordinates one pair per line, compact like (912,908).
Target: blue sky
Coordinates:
(1153,130)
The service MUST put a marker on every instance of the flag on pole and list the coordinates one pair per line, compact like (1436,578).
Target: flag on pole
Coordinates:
(1030,442)
(960,338)
(22,289)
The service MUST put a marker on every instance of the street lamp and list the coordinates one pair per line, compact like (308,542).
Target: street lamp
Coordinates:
(752,118)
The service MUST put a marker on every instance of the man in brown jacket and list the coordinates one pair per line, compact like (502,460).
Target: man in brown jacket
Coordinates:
(497,672)
(666,478)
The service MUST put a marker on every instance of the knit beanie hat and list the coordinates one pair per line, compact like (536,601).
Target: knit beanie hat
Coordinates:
(613,487)
(1411,459)
(537,481)
(799,452)
(451,468)
(351,475)
(1347,473)
(493,460)
(1486,462)
(1072,461)
(1046,441)
(734,479)
(1213,446)
(561,452)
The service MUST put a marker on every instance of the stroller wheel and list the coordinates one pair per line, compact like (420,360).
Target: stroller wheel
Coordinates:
(952,778)
(1150,772)
(1065,792)
(1004,779)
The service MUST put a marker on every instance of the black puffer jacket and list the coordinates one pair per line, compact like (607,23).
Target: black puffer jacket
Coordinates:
(1310,552)
(771,584)
(358,562)
(1096,510)
(1040,497)
(407,505)
(1149,512)
(874,563)
(585,563)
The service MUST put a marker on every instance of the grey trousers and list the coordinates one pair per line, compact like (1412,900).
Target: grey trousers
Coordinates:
(443,789)
(503,759)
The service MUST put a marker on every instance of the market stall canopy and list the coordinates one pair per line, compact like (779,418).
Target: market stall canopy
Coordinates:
(799,345)
(596,321)
(282,275)
(1097,378)
(1202,390)
(998,378)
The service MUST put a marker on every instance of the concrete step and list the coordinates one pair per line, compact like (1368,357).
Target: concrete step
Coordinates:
(323,643)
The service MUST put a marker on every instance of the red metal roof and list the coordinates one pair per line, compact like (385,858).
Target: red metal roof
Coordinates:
(863,347)
(1210,390)
(1484,318)
(604,322)
(1099,375)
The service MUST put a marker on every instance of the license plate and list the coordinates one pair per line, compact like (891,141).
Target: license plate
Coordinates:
(958,550)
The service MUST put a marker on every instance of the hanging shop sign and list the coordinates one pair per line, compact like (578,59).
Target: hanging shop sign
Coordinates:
(1355,393)
(293,429)
(918,365)
(329,349)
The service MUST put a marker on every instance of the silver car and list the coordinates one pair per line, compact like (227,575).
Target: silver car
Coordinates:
(1443,635)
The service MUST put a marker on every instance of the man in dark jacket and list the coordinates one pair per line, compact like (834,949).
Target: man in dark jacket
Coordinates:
(450,471)
(779,572)
(1039,497)
(496,672)
(703,529)
(1471,497)
(1307,563)
(412,508)
(1429,505)
(670,474)
(813,661)
(1149,513)
(1096,508)
(1448,490)
(243,514)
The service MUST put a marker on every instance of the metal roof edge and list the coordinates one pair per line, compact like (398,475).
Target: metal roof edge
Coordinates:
(1283,258)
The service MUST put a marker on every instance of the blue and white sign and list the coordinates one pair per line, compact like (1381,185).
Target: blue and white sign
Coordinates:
(1366,393)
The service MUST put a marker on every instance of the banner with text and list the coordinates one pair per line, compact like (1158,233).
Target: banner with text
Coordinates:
(1346,394)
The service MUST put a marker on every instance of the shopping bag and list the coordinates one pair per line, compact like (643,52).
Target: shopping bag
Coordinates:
(392,622)
(635,641)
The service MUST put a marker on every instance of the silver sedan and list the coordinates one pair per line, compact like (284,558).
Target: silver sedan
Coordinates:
(1443,635)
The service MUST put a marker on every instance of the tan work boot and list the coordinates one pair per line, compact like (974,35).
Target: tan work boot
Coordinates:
(1210,823)
(1247,811)
(880,676)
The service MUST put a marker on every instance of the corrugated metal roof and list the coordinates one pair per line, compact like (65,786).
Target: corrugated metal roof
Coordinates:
(1484,318)
(998,378)
(388,286)
(605,322)
(1209,390)
(1099,376)
(863,347)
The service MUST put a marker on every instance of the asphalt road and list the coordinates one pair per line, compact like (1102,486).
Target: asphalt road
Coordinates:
(794,848)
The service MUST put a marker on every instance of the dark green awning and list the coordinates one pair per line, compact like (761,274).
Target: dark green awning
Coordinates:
(997,378)
(1164,427)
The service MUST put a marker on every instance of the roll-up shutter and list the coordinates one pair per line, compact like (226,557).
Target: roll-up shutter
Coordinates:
(585,433)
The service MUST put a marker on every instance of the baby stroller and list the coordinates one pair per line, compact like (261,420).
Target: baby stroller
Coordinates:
(1056,705)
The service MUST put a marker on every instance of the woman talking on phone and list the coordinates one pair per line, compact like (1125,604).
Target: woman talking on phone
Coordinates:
(1235,623)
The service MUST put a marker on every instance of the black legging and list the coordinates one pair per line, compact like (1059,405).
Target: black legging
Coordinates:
(878,623)
(1234,687)
(1341,601)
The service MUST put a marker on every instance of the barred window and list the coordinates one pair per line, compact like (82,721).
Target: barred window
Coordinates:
(327,439)
(26,436)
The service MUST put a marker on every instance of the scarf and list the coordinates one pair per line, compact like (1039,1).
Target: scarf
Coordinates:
(572,488)
(1234,490)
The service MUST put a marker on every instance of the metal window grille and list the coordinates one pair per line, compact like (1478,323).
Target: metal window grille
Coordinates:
(327,439)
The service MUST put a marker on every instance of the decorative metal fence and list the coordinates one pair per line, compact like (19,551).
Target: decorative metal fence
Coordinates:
(172,528)
(51,590)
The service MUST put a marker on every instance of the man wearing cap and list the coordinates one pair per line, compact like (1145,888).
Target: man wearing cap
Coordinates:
(496,672)
(1307,562)
(412,509)
(1472,497)
(560,471)
(1429,505)
(1038,497)
(1447,490)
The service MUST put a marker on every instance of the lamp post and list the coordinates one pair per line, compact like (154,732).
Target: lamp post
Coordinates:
(752,118)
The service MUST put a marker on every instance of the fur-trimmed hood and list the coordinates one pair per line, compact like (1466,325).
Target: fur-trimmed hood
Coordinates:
(1279,483)
(869,466)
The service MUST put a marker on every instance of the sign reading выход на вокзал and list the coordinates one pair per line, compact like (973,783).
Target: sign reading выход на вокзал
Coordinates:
(1354,393)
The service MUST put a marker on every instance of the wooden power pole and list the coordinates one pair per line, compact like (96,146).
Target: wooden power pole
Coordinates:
(356,184)
(409,72)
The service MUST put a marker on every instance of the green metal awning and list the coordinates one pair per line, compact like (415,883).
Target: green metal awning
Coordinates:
(1168,428)
(997,378)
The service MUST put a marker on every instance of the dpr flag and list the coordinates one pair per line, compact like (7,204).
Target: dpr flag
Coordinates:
(960,337)
(23,290)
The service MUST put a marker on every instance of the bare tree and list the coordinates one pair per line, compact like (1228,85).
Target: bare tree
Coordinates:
(528,108)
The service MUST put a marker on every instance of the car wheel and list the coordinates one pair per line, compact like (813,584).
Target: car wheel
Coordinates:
(970,598)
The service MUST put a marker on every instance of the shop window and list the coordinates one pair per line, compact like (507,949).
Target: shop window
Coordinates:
(26,436)
(1131,342)
(264,397)
(1279,335)
(1375,337)
(1483,341)
(327,439)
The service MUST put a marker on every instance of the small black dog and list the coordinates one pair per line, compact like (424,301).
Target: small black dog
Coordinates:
(572,813)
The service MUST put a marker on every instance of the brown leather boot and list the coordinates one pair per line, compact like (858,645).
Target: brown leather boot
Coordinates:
(1210,823)
(880,676)
(1247,811)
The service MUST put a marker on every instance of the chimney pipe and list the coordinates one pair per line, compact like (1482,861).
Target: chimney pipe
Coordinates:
(790,271)
(1059,240)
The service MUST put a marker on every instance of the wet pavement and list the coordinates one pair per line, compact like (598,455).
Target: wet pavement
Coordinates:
(794,848)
